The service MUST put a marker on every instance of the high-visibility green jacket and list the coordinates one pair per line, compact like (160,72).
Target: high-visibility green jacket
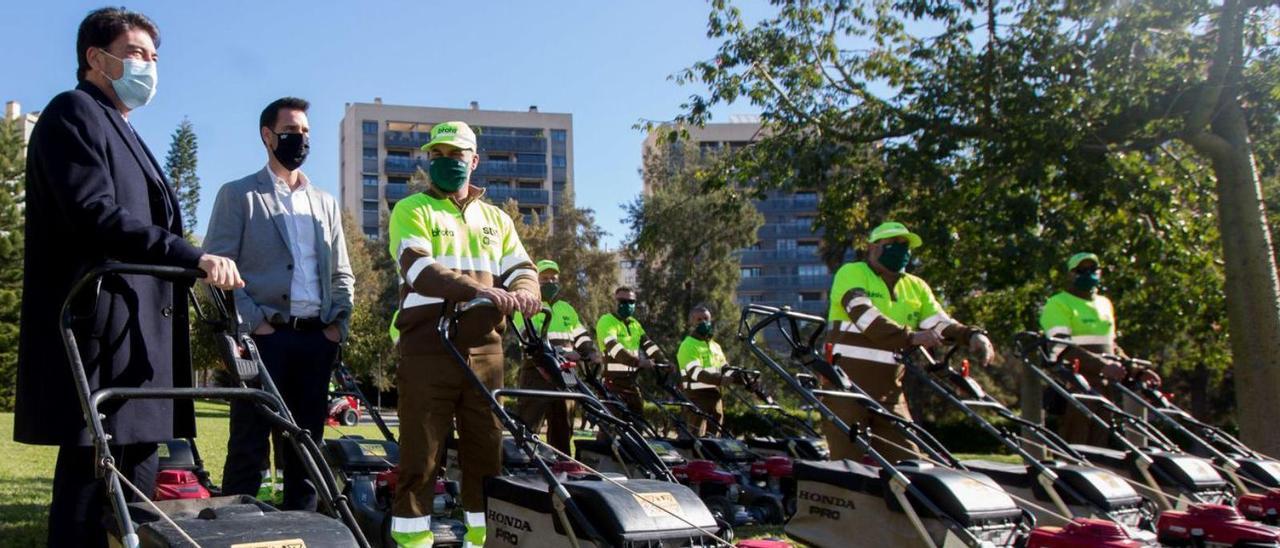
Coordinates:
(565,329)
(447,250)
(870,324)
(1090,323)
(621,343)
(700,363)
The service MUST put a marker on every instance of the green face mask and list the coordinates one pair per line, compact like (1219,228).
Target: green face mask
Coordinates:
(626,310)
(704,329)
(550,290)
(1087,281)
(895,257)
(448,174)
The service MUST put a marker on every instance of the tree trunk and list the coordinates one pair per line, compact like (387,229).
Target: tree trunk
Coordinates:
(1252,290)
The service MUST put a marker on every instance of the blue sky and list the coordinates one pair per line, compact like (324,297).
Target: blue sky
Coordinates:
(607,63)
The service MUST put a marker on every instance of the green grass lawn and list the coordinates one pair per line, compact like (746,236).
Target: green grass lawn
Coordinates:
(26,471)
(26,474)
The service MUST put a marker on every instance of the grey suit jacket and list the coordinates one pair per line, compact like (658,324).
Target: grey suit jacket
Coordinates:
(248,226)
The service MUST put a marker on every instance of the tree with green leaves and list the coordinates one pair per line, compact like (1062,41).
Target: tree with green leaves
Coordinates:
(180,165)
(369,351)
(1014,133)
(573,239)
(685,234)
(12,183)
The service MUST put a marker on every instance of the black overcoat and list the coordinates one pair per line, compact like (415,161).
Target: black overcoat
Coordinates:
(95,193)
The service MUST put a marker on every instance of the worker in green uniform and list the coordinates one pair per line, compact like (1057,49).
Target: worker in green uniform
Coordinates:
(1085,317)
(877,311)
(702,363)
(451,247)
(566,333)
(626,348)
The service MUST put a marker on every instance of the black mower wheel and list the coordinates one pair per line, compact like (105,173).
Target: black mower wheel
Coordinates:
(349,418)
(721,508)
(768,510)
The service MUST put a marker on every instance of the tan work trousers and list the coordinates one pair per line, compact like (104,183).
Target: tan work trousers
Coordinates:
(433,392)
(532,411)
(708,400)
(883,382)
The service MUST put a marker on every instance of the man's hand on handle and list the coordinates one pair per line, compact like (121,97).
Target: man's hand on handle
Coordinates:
(981,348)
(504,300)
(220,272)
(527,303)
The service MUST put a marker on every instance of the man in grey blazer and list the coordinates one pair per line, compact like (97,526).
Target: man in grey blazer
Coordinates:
(286,235)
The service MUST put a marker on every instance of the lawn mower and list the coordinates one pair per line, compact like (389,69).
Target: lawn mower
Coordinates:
(1256,476)
(368,469)
(885,504)
(1071,488)
(215,521)
(1196,499)
(762,490)
(577,506)
(797,439)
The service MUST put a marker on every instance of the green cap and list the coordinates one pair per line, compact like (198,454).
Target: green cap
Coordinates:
(456,134)
(1081,257)
(892,230)
(547,264)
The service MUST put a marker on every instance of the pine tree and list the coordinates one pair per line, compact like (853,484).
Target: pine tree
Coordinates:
(181,167)
(12,177)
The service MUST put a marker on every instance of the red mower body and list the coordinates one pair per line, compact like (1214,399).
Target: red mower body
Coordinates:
(1215,524)
(762,543)
(702,471)
(1082,533)
(1264,507)
(338,406)
(179,484)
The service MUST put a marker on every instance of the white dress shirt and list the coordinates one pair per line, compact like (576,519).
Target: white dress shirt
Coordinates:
(304,289)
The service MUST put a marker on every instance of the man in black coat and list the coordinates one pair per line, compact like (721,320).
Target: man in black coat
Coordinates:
(95,194)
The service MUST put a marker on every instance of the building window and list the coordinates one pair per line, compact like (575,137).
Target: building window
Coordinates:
(558,160)
(757,298)
(750,272)
(786,245)
(559,135)
(809,296)
(531,158)
(371,154)
(812,270)
(370,180)
(809,245)
(369,127)
(371,232)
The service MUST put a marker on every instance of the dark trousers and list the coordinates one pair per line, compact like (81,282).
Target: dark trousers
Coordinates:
(80,509)
(300,363)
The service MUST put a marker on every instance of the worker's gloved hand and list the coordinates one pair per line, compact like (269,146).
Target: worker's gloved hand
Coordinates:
(728,375)
(981,348)
(643,362)
(1151,378)
(1113,370)
(926,339)
(572,356)
(595,358)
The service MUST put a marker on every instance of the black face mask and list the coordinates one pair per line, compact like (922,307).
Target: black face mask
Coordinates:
(291,149)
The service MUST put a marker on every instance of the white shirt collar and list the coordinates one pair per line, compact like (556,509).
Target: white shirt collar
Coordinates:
(283,186)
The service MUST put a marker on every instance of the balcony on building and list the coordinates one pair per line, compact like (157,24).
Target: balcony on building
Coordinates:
(522,170)
(511,143)
(397,191)
(406,139)
(533,196)
(788,230)
(405,166)
(778,256)
(794,202)
(783,282)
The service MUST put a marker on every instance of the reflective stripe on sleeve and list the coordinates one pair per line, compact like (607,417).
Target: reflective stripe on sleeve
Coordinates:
(416,268)
(1091,339)
(414,299)
(863,353)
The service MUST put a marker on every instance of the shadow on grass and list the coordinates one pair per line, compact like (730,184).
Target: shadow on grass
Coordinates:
(24,514)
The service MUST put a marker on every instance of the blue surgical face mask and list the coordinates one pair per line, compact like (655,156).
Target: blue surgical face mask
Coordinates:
(137,83)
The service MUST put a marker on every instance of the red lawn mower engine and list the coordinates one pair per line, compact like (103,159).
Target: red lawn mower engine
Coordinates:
(344,411)
(1263,507)
(447,492)
(177,477)
(1213,525)
(1082,533)
(718,489)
